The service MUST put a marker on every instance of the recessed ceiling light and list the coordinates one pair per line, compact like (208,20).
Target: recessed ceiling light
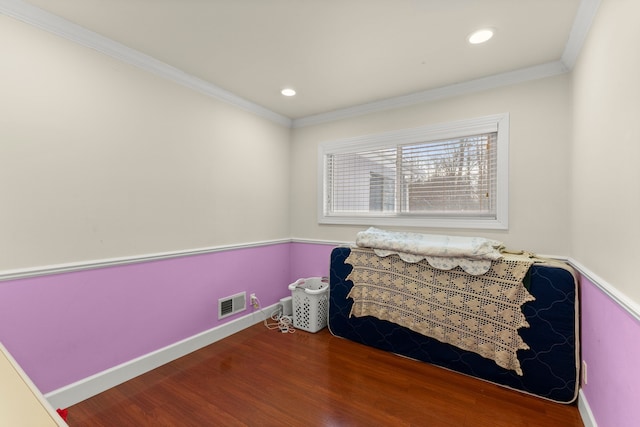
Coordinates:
(480,36)
(288,92)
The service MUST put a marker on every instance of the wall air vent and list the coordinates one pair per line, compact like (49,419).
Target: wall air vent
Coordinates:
(231,305)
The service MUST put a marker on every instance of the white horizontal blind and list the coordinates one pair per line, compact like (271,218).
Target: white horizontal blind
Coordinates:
(446,175)
(361,182)
(451,177)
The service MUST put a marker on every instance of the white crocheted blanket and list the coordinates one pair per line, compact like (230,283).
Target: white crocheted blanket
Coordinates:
(472,254)
(476,313)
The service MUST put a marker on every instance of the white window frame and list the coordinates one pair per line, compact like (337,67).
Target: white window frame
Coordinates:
(495,123)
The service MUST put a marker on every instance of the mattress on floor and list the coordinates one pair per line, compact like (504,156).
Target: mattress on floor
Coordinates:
(550,366)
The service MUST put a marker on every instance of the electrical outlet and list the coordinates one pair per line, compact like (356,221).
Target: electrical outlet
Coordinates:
(254,301)
(584,373)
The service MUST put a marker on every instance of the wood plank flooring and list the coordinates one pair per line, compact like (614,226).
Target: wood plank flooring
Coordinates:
(262,377)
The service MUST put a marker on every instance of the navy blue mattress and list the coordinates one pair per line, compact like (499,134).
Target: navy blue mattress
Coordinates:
(550,367)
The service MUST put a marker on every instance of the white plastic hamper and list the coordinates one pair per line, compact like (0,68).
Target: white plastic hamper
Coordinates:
(310,303)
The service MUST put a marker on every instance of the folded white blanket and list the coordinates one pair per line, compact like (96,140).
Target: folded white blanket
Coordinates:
(472,254)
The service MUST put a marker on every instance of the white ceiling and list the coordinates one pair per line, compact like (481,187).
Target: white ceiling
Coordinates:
(337,54)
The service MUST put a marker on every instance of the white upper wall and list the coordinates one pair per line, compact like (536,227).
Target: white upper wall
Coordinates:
(539,161)
(99,159)
(605,220)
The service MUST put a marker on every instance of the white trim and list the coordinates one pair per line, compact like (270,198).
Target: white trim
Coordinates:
(432,132)
(579,31)
(321,242)
(585,411)
(110,262)
(95,384)
(498,80)
(44,20)
(451,129)
(39,18)
(630,306)
(619,298)
(555,257)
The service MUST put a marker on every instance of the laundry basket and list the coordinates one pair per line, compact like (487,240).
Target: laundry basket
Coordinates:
(310,303)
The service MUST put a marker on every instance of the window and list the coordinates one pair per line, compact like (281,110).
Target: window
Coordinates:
(451,175)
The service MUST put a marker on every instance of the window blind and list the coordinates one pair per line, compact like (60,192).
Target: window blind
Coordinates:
(449,177)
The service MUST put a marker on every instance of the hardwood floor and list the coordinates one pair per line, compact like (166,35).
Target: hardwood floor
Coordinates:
(262,377)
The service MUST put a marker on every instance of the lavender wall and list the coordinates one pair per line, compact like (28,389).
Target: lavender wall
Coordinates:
(65,327)
(309,260)
(610,346)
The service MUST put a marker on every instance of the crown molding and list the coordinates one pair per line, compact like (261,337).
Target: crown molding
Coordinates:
(579,30)
(39,18)
(581,26)
(497,80)
(44,20)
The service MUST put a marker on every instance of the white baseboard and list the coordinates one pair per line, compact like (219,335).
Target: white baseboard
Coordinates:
(585,411)
(95,384)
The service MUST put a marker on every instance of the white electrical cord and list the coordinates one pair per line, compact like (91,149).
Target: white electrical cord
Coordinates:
(283,323)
